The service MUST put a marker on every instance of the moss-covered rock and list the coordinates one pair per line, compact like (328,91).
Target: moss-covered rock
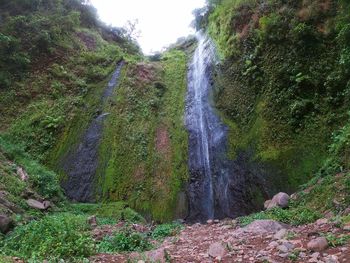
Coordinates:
(144,148)
(282,84)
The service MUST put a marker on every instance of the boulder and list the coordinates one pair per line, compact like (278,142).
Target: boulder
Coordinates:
(210,221)
(346,227)
(92,221)
(259,227)
(157,255)
(279,200)
(216,250)
(318,244)
(38,205)
(280,234)
(346,212)
(267,203)
(22,174)
(321,221)
(8,204)
(331,259)
(6,224)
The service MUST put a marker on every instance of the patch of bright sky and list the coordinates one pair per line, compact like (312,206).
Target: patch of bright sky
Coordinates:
(161,22)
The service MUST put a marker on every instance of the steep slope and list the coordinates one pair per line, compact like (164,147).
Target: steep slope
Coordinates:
(283,83)
(144,148)
(54,92)
(55,57)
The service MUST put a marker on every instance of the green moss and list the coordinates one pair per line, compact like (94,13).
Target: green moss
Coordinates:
(148,107)
(281,87)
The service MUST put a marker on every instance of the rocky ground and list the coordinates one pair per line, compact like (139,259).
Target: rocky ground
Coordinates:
(262,241)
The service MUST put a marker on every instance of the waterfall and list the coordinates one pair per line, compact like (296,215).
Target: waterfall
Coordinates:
(218,187)
(204,129)
(81,162)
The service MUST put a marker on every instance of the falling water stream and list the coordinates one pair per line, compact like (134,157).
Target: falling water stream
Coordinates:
(218,187)
(81,162)
(204,129)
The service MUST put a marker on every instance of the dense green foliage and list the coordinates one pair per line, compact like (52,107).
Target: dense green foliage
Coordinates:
(55,56)
(61,236)
(44,181)
(124,241)
(292,216)
(283,86)
(127,239)
(106,212)
(164,230)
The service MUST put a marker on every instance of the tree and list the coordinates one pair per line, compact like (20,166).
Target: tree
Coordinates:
(131,30)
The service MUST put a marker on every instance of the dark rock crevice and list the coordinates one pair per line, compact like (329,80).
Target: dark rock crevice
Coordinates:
(81,163)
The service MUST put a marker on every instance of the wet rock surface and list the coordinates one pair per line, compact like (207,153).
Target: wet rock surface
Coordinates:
(227,242)
(81,162)
(216,183)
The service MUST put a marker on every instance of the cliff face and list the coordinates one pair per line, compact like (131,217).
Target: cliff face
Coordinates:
(283,82)
(56,61)
(281,88)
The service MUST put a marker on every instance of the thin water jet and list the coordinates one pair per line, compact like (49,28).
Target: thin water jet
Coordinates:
(218,187)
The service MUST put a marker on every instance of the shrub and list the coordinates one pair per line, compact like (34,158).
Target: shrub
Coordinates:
(62,236)
(43,180)
(124,241)
(294,216)
(108,213)
(165,230)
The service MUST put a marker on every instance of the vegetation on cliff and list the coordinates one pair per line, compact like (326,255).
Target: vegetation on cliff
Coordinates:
(283,83)
(144,148)
(54,54)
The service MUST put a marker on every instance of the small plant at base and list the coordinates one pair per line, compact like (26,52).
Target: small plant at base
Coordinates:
(294,255)
(162,231)
(124,241)
(334,241)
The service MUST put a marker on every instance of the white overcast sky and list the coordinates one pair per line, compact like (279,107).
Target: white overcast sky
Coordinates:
(161,22)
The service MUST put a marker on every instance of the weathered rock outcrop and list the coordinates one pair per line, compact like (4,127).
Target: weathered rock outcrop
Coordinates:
(38,205)
(279,200)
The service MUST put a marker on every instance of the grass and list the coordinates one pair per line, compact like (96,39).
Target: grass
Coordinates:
(335,241)
(125,242)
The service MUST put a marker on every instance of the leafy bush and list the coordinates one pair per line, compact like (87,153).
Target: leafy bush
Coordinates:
(166,230)
(339,153)
(293,216)
(62,236)
(42,180)
(122,213)
(124,241)
(334,241)
(108,213)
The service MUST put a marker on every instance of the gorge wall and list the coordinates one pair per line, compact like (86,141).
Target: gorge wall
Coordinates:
(283,82)
(281,90)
